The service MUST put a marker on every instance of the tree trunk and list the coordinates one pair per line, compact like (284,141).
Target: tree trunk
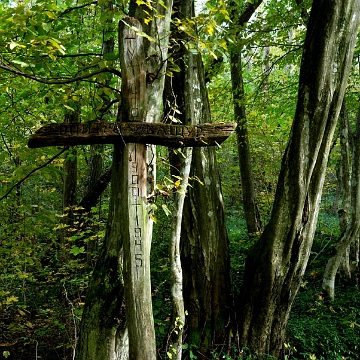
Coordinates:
(69,190)
(251,211)
(344,183)
(156,61)
(95,166)
(276,264)
(252,215)
(103,333)
(204,241)
(351,231)
(177,299)
(134,214)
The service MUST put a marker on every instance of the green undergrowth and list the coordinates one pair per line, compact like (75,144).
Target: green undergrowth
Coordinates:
(317,328)
(322,330)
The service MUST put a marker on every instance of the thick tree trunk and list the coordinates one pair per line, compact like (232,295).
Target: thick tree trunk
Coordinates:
(351,232)
(251,211)
(204,241)
(133,211)
(275,266)
(156,62)
(103,333)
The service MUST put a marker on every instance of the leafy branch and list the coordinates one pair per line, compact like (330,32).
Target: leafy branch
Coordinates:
(32,171)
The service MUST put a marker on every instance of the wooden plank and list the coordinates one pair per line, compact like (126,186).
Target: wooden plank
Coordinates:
(131,132)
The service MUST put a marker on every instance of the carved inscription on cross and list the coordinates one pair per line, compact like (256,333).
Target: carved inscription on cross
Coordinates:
(136,196)
(133,134)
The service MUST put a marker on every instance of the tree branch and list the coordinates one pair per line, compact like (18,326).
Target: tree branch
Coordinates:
(76,8)
(32,171)
(249,10)
(109,105)
(90,198)
(304,14)
(58,80)
(76,55)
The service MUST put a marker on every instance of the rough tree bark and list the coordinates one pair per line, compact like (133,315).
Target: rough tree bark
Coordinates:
(133,210)
(204,241)
(275,265)
(351,231)
(104,334)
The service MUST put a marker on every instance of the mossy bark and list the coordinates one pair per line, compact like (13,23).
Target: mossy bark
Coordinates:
(103,333)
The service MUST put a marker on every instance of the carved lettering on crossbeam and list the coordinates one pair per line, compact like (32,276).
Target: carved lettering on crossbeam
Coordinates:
(131,132)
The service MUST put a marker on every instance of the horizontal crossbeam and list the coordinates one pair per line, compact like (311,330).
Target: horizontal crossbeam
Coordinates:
(131,132)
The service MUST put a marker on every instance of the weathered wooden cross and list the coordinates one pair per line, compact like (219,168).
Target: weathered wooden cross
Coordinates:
(134,133)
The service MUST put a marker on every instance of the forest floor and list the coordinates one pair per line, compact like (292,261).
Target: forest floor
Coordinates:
(41,301)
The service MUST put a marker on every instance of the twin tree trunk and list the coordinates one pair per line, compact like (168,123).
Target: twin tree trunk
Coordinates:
(277,262)
(204,240)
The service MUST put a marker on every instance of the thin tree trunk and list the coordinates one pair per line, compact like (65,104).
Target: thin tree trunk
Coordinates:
(252,215)
(69,190)
(351,231)
(251,211)
(204,241)
(355,260)
(276,264)
(177,299)
(95,166)
(345,185)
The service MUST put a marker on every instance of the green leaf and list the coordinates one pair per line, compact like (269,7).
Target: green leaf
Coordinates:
(50,14)
(21,63)
(76,250)
(166,209)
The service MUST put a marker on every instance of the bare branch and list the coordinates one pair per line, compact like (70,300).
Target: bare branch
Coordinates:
(32,171)
(77,8)
(77,55)
(67,80)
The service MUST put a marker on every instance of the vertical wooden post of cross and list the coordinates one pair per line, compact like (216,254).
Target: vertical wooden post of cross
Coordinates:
(136,239)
